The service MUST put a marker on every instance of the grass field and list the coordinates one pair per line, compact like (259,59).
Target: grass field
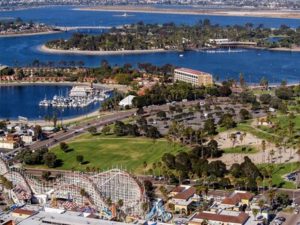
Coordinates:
(240,150)
(279,170)
(245,127)
(105,152)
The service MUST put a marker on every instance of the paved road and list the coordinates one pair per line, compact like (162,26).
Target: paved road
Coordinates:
(291,219)
(76,130)
(109,119)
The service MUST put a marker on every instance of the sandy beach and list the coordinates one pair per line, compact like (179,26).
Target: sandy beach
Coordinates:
(292,14)
(45,49)
(29,34)
(295,49)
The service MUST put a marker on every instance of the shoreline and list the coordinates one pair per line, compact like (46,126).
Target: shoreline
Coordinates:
(29,34)
(279,49)
(287,14)
(66,120)
(63,83)
(45,49)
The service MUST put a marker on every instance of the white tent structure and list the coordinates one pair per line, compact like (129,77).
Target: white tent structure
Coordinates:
(127,101)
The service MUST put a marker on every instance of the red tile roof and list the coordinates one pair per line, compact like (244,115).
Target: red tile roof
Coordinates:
(186,194)
(235,198)
(240,219)
(195,72)
(178,189)
(24,212)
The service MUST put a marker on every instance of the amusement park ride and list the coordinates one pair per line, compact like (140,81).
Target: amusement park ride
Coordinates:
(99,192)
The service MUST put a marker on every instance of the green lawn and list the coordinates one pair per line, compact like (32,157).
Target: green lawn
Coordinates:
(255,131)
(240,150)
(105,152)
(279,170)
(283,122)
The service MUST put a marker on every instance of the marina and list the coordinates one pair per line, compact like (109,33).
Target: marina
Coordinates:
(23,100)
(79,96)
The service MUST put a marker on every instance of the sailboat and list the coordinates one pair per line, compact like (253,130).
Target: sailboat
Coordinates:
(124,14)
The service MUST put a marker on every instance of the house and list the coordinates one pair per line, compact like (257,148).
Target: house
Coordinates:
(222,217)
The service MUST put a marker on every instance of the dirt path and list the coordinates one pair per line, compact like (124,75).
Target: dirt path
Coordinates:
(272,154)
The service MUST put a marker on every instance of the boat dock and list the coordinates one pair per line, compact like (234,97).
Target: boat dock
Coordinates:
(78,97)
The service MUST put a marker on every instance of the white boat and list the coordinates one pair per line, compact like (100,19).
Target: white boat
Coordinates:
(181,55)
(125,14)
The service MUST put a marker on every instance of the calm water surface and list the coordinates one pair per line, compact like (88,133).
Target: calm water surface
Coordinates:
(23,101)
(254,64)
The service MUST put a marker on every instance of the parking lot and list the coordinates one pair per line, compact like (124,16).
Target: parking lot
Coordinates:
(291,219)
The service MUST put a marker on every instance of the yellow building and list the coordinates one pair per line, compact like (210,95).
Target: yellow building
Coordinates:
(182,197)
(194,77)
(237,198)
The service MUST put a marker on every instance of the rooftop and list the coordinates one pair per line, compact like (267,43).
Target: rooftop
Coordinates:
(186,194)
(68,218)
(24,211)
(178,189)
(191,71)
(236,197)
(238,218)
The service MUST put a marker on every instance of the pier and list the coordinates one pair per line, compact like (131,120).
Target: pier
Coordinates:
(79,96)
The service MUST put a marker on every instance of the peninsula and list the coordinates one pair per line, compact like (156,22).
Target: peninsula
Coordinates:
(141,38)
(18,27)
(269,13)
(46,49)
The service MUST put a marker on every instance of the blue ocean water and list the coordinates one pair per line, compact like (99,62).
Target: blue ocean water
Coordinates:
(23,101)
(254,64)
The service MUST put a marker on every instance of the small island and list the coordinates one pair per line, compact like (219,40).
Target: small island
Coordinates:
(18,27)
(171,37)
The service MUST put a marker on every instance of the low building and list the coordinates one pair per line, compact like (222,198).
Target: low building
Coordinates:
(8,145)
(22,213)
(126,102)
(66,218)
(80,91)
(237,198)
(194,77)
(176,190)
(220,218)
(183,198)
(28,139)
(218,41)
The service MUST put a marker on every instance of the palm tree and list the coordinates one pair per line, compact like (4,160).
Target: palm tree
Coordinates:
(271,153)
(205,222)
(271,195)
(120,203)
(258,182)
(261,204)
(145,207)
(263,147)
(255,212)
